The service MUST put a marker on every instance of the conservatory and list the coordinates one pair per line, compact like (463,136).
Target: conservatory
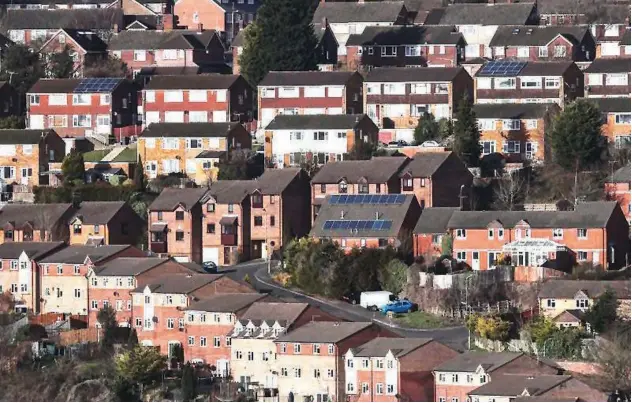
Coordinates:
(533,252)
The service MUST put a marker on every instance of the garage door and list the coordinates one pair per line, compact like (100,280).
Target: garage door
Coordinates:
(210,255)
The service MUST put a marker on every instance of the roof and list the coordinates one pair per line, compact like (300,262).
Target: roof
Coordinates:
(622,175)
(566,289)
(147,40)
(239,39)
(225,302)
(424,165)
(375,170)
(609,66)
(324,122)
(211,154)
(483,14)
(77,254)
(291,78)
(79,85)
(345,12)
(179,283)
(569,315)
(87,19)
(612,105)
(40,216)
(287,312)
(192,82)
(170,198)
(471,360)
(530,35)
(34,250)
(586,215)
(22,136)
(275,181)
(434,220)
(402,35)
(87,40)
(98,212)
(515,385)
(324,332)
(380,346)
(230,191)
(612,13)
(129,266)
(129,154)
(512,111)
(96,155)
(413,74)
(539,69)
(191,129)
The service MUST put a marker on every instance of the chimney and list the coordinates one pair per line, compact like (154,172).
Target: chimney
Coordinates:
(377,215)
(324,23)
(200,27)
(167,22)
(342,215)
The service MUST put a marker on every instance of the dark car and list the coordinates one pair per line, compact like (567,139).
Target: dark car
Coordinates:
(352,297)
(209,267)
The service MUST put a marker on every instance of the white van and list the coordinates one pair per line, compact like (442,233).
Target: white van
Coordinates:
(375,300)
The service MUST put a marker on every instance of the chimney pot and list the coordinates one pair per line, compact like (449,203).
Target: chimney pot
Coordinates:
(200,27)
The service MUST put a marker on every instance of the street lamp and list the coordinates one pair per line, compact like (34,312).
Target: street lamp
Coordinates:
(467,306)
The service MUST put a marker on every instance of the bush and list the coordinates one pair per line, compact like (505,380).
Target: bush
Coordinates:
(492,328)
(100,191)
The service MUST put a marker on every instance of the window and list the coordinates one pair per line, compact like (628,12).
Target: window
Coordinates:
(531,124)
(34,99)
(321,136)
(523,51)
(379,389)
(288,92)
(140,55)
(330,349)
(551,82)
(174,96)
(483,83)
(582,256)
(77,293)
(407,183)
(543,51)
(342,187)
(364,388)
(486,124)
(550,303)
(441,89)
(455,378)
(316,373)
(191,341)
(350,388)
(622,141)
(488,146)
(388,51)
(363,188)
(297,372)
(511,124)
(81,120)
(314,92)
(617,79)
(436,238)
(559,51)
(531,82)
(581,303)
(461,233)
(258,221)
(179,215)
(595,79)
(490,233)
(511,147)
(611,30)
(251,356)
(349,363)
(412,51)
(394,89)
(582,233)
(81,99)
(179,236)
(238,355)
(297,348)
(210,228)
(139,322)
(230,208)
(461,256)
(202,341)
(504,83)
(379,364)
(622,118)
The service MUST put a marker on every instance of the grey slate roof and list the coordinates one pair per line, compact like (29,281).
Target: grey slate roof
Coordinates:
(413,74)
(622,175)
(194,129)
(608,13)
(514,385)
(424,165)
(389,212)
(567,289)
(434,220)
(225,302)
(485,14)
(59,85)
(170,198)
(470,361)
(512,111)
(586,215)
(275,181)
(88,19)
(34,250)
(345,12)
(286,312)
(609,66)
(98,212)
(87,40)
(179,283)
(612,105)
(192,82)
(309,122)
(148,40)
(231,191)
(406,35)
(41,216)
(76,254)
(324,332)
(529,35)
(129,266)
(380,346)
(292,78)
(22,136)
(375,170)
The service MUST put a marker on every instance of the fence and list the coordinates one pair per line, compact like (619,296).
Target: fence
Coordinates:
(501,274)
(77,336)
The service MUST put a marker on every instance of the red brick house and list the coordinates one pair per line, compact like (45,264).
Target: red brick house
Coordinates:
(103,109)
(104,223)
(429,232)
(608,78)
(391,370)
(617,187)
(85,47)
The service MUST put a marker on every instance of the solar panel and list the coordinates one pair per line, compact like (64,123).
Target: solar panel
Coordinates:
(328,224)
(368,199)
(360,225)
(91,85)
(501,68)
(334,199)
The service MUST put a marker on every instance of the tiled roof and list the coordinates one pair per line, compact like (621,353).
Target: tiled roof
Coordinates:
(275,181)
(87,40)
(380,346)
(403,35)
(193,129)
(170,198)
(87,19)
(292,78)
(148,40)
(471,360)
(275,311)
(76,254)
(324,332)
(230,191)
(34,250)
(512,111)
(40,216)
(529,35)
(569,315)
(129,266)
(609,66)
(485,14)
(413,74)
(192,82)
(621,175)
(375,170)
(179,283)
(612,105)
(308,122)
(593,288)
(345,12)
(225,302)
(608,13)
(22,136)
(60,85)
(424,165)
(434,220)
(515,385)
(98,212)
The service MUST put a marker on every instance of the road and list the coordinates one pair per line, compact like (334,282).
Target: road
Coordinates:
(456,337)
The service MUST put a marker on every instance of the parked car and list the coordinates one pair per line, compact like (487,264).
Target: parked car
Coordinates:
(401,306)
(396,144)
(375,300)
(209,267)
(352,297)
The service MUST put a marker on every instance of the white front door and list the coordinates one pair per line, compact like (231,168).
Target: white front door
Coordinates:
(26,175)
(476,263)
(596,257)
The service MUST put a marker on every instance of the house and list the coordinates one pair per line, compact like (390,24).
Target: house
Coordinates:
(319,372)
(26,155)
(37,26)
(309,93)
(506,81)
(170,48)
(608,78)
(430,230)
(396,98)
(20,271)
(34,222)
(157,307)
(617,187)
(191,148)
(11,103)
(456,378)
(389,369)
(515,130)
(405,46)
(197,98)
(84,46)
(100,109)
(253,352)
(110,283)
(208,325)
(64,281)
(616,127)
(291,140)
(507,387)
(625,48)
(558,296)
(437,179)
(229,16)
(368,220)
(57,4)
(174,222)
(104,223)
(148,9)
(375,176)
(543,43)
(349,18)
(609,26)
(478,22)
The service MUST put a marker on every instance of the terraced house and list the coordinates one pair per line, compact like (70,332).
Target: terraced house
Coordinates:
(105,223)
(608,78)
(35,222)
(616,117)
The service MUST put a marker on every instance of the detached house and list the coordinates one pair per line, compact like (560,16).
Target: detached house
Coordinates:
(85,47)
(616,114)
(608,78)
(396,98)
(105,223)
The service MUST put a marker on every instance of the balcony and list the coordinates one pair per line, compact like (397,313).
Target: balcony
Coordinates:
(229,239)
(158,247)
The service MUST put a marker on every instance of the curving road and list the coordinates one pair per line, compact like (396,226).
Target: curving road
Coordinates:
(456,337)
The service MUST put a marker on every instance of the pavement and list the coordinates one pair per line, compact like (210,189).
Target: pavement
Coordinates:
(455,337)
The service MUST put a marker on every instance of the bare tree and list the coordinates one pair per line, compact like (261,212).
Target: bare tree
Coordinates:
(612,352)
(509,192)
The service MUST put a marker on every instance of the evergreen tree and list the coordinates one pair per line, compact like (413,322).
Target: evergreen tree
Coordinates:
(107,319)
(188,383)
(132,340)
(12,122)
(427,128)
(466,134)
(60,64)
(140,181)
(282,38)
(576,137)
(603,313)
(72,167)
(21,67)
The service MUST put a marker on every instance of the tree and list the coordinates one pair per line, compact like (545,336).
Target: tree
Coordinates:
(541,329)
(394,276)
(427,128)
(612,353)
(12,122)
(106,67)
(140,365)
(466,134)
(361,150)
(140,180)
(446,244)
(21,67)
(107,319)
(188,383)
(509,191)
(576,138)
(73,167)
(282,38)
(60,64)
(132,340)
(603,313)
(492,328)
(177,354)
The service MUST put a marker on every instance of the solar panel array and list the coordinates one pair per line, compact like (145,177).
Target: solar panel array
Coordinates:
(360,225)
(367,199)
(90,85)
(501,68)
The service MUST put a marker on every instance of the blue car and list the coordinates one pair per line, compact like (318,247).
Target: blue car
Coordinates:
(401,306)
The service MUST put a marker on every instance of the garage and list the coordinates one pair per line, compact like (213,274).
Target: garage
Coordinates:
(210,255)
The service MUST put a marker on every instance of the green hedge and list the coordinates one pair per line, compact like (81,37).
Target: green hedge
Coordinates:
(88,192)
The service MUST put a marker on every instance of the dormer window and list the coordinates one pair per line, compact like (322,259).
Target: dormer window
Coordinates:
(342,187)
(407,184)
(363,188)
(257,200)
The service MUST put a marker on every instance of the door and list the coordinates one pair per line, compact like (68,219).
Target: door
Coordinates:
(596,258)
(476,263)
(26,175)
(257,251)
(210,255)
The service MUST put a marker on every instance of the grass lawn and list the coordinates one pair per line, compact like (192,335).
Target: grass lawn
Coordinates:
(423,320)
